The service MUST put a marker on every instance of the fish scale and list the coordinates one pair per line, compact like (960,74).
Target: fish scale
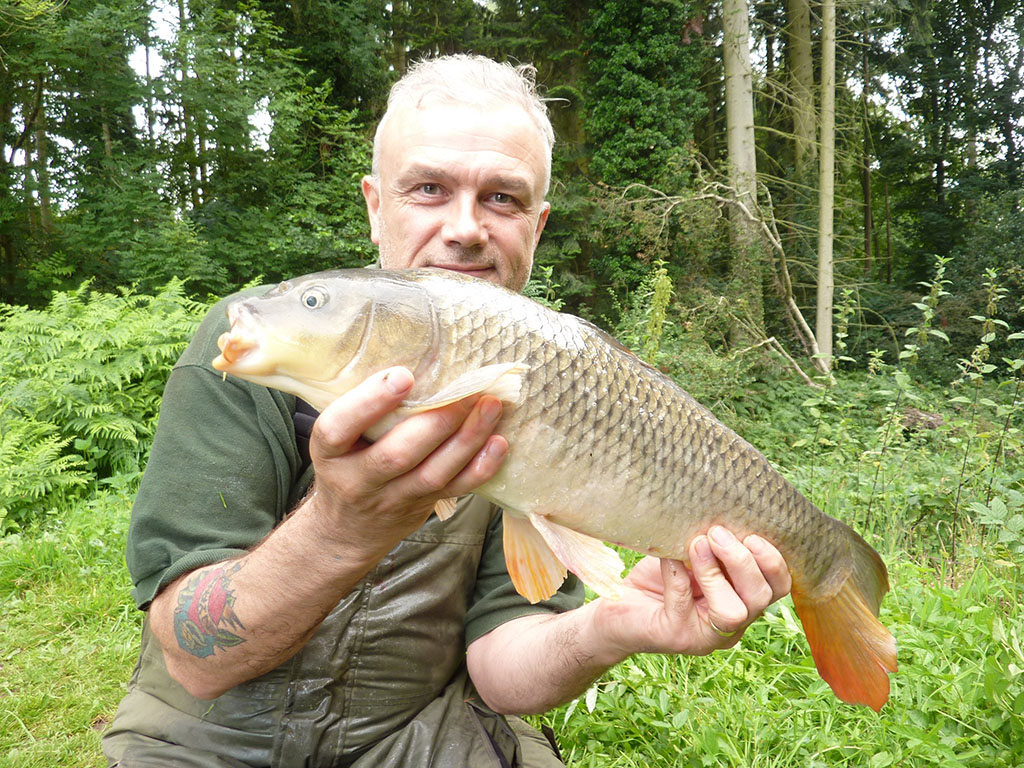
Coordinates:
(602,447)
(606,404)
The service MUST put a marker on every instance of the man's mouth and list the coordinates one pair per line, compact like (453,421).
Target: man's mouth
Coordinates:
(473,270)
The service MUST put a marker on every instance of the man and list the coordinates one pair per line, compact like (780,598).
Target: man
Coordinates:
(347,625)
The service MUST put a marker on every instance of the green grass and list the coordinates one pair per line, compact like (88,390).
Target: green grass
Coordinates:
(69,635)
(957,700)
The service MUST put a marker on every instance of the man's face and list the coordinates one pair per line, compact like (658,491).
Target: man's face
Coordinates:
(461,188)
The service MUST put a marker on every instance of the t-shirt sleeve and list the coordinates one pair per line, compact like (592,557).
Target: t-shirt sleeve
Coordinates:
(219,473)
(495,599)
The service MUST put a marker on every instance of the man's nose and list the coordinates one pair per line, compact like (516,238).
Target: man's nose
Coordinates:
(463,224)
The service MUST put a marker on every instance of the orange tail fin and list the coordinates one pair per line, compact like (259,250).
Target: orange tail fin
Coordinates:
(853,651)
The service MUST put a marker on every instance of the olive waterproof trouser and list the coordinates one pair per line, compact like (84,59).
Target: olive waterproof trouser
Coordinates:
(382,683)
(453,731)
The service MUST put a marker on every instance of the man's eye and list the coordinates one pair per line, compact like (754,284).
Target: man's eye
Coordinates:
(502,198)
(430,189)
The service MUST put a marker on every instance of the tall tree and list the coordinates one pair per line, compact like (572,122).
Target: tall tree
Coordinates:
(826,186)
(800,70)
(801,87)
(67,100)
(747,267)
(343,43)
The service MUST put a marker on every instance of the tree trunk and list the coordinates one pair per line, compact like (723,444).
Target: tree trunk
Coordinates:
(707,136)
(888,236)
(149,97)
(746,270)
(865,164)
(190,195)
(865,184)
(7,257)
(400,10)
(108,142)
(42,169)
(801,201)
(826,186)
(801,83)
(201,190)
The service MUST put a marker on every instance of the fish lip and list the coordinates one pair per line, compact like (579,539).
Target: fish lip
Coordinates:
(238,342)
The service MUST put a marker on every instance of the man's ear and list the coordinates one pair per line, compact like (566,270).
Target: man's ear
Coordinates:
(541,221)
(371,193)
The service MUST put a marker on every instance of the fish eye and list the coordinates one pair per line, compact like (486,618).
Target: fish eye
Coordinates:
(314,298)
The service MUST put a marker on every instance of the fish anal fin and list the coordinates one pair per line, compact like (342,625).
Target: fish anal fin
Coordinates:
(598,565)
(503,380)
(445,508)
(536,572)
(852,649)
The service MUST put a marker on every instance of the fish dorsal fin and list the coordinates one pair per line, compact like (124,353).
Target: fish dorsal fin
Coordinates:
(598,565)
(536,572)
(503,380)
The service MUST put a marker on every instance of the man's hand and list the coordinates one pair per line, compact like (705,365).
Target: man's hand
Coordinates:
(366,498)
(696,610)
(538,661)
(370,496)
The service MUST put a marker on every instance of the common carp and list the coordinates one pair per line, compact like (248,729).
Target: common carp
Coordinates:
(602,447)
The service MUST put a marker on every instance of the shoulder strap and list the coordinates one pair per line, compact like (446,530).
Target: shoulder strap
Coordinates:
(303,417)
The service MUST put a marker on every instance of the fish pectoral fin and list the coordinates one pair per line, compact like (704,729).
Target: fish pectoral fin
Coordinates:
(598,565)
(503,380)
(445,508)
(536,572)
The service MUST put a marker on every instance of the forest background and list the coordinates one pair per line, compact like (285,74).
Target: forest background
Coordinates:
(809,213)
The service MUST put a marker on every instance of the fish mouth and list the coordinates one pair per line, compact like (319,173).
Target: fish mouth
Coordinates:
(236,343)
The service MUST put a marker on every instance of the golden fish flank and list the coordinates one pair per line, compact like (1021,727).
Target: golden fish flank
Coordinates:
(602,447)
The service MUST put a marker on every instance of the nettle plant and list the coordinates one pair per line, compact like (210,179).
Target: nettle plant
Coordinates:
(80,389)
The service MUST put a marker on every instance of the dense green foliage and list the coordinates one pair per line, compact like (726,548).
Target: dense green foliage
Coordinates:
(81,383)
(221,140)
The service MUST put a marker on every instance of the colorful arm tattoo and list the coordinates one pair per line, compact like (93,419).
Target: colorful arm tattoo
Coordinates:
(205,608)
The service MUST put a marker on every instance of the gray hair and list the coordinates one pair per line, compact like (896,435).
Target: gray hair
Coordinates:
(468,79)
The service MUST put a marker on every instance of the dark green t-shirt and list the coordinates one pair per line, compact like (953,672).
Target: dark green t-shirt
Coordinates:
(224,470)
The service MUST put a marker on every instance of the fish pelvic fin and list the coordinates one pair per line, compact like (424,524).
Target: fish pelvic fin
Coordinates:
(536,572)
(503,380)
(852,649)
(445,508)
(598,566)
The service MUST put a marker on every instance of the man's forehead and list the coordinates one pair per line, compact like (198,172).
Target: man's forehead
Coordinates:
(441,116)
(425,140)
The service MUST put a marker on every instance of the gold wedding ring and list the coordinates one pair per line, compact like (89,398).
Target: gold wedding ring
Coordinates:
(720,632)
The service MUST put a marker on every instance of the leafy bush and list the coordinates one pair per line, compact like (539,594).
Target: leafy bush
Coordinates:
(80,388)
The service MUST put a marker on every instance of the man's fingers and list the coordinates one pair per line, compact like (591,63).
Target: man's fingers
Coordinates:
(726,610)
(342,423)
(741,569)
(771,564)
(678,588)
(480,468)
(467,458)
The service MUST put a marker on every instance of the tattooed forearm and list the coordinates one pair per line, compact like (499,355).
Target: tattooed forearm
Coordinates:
(205,612)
